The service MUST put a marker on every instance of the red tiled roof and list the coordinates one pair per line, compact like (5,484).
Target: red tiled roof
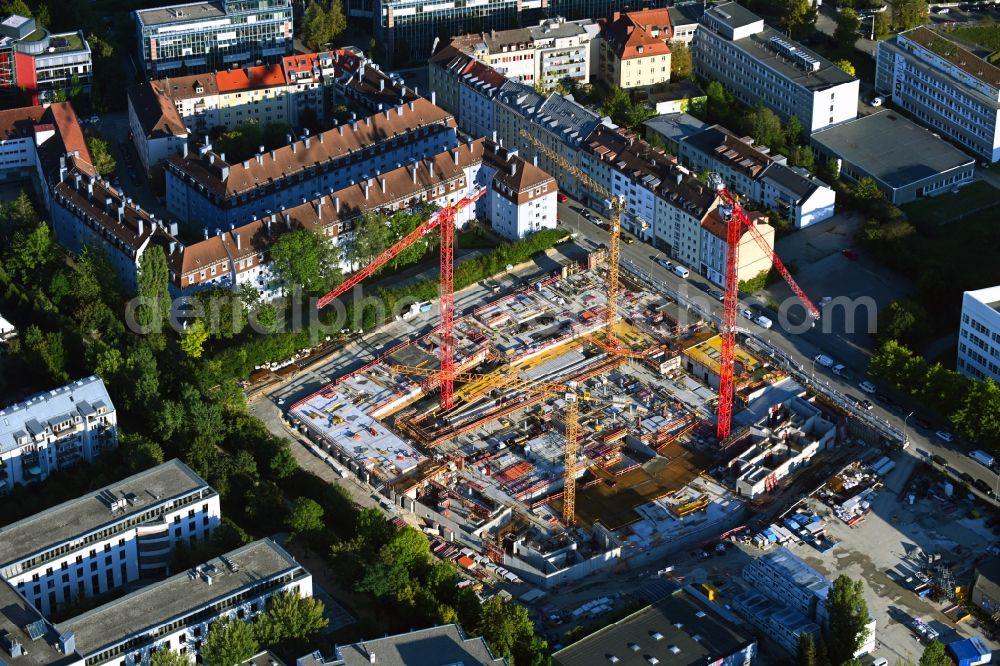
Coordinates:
(262,76)
(639,34)
(19,123)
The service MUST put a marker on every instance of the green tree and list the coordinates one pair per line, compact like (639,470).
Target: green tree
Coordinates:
(337,19)
(764,126)
(617,105)
(399,562)
(882,26)
(510,633)
(283,463)
(934,655)
(848,24)
(193,338)
(229,641)
(306,259)
(719,102)
(42,17)
(802,156)
(902,320)
(807,651)
(46,350)
(19,7)
(31,250)
(978,418)
(168,658)
(100,154)
(908,14)
(153,282)
(290,617)
(322,23)
(139,452)
(241,142)
(848,618)
(99,47)
(799,18)
(846,65)
(793,131)
(867,189)
(680,61)
(372,237)
(305,517)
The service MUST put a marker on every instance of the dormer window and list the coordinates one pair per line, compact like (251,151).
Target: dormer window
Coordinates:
(198,90)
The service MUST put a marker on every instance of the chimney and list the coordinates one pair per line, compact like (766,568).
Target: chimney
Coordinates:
(680,177)
(454,154)
(382,183)
(293,148)
(246,164)
(141,226)
(319,208)
(320,137)
(77,177)
(494,136)
(204,233)
(222,157)
(288,138)
(410,104)
(211,158)
(90,189)
(399,110)
(381,84)
(414,174)
(339,129)
(354,124)
(184,150)
(260,157)
(430,168)
(238,244)
(288,221)
(173,246)
(366,190)
(534,160)
(260,149)
(433,98)
(305,142)
(336,203)
(121,213)
(387,112)
(513,168)
(107,205)
(268,223)
(368,121)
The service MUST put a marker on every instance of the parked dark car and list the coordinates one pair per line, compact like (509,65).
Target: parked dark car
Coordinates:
(939,459)
(983,487)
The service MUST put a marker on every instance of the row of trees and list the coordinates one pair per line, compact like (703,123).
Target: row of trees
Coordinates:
(761,123)
(972,407)
(288,624)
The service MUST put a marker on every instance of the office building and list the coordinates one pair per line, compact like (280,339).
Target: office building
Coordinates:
(211,35)
(683,627)
(979,334)
(905,160)
(203,188)
(757,63)
(758,175)
(43,65)
(684,21)
(175,614)
(782,624)
(107,539)
(944,86)
(55,430)
(635,51)
(445,644)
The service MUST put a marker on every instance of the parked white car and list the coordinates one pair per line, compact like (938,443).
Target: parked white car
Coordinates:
(824,360)
(867,386)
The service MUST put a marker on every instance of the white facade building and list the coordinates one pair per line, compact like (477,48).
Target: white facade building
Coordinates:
(979,334)
(945,86)
(756,63)
(56,430)
(102,541)
(175,614)
(522,197)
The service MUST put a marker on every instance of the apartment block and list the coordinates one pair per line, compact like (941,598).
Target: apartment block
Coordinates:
(635,51)
(782,624)
(945,86)
(107,539)
(758,175)
(979,334)
(212,35)
(42,64)
(205,189)
(714,248)
(55,430)
(157,128)
(175,614)
(757,63)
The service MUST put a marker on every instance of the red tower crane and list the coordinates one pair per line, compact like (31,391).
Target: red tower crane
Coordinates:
(736,220)
(444,221)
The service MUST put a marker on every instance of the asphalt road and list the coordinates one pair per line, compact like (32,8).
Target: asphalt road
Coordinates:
(801,348)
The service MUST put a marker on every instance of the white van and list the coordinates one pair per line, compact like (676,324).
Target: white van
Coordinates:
(681,271)
(764,321)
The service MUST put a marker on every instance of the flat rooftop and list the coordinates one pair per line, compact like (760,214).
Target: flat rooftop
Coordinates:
(141,612)
(425,647)
(16,615)
(891,148)
(733,15)
(990,297)
(679,629)
(195,11)
(91,512)
(759,47)
(957,55)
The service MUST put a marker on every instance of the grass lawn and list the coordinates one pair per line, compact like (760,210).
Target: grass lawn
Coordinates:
(35,36)
(938,210)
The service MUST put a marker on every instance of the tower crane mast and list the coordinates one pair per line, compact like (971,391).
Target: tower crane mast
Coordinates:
(736,222)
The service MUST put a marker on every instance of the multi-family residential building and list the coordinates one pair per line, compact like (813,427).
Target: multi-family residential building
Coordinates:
(156,127)
(107,539)
(788,580)
(205,189)
(446,644)
(55,430)
(753,259)
(520,198)
(252,93)
(43,65)
(635,51)
(213,34)
(945,86)
(757,63)
(905,160)
(175,614)
(782,624)
(979,334)
(554,51)
(753,172)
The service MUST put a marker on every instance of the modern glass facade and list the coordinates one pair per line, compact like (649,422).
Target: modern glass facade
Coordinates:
(208,36)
